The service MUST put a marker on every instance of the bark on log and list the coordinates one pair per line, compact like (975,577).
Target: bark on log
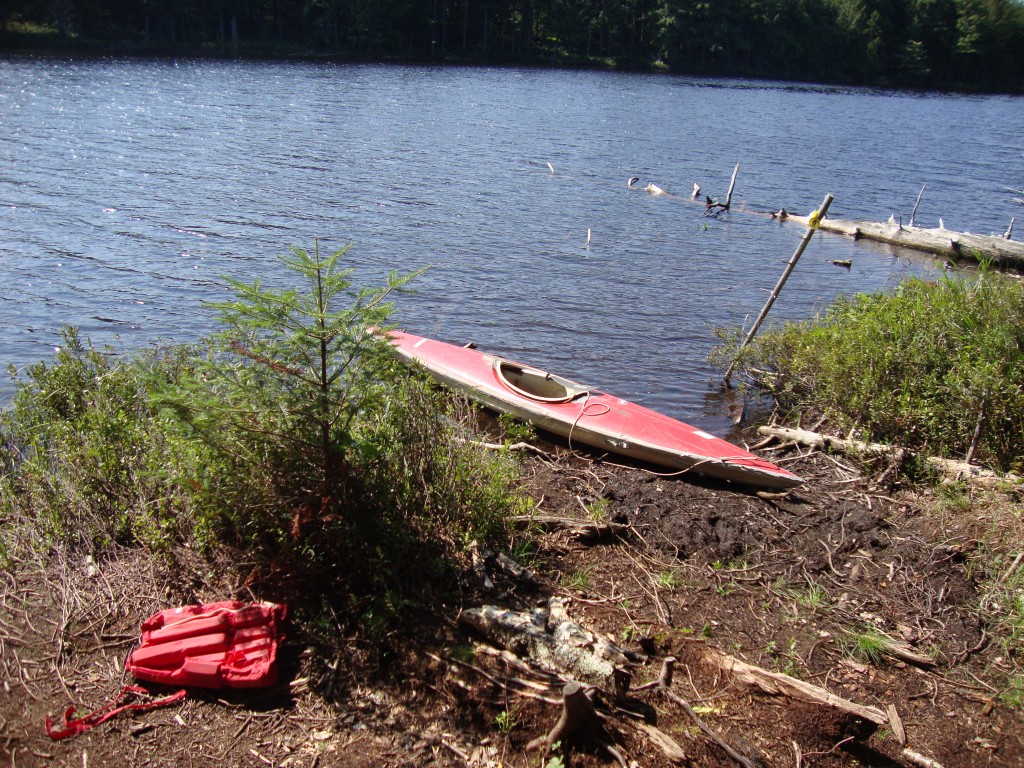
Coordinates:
(941,242)
(777,684)
(556,643)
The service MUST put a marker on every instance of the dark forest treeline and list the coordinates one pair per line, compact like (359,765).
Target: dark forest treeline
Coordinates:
(974,44)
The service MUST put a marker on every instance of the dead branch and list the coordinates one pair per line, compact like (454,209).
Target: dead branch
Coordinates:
(904,652)
(521,446)
(1013,567)
(710,205)
(896,723)
(500,683)
(664,679)
(956,470)
(669,747)
(481,559)
(916,758)
(917,203)
(744,761)
(777,684)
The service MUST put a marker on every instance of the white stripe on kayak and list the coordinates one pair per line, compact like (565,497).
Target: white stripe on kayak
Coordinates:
(705,435)
(421,341)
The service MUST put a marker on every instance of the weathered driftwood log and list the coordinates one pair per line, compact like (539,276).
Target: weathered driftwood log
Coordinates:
(959,470)
(940,241)
(778,684)
(949,468)
(819,440)
(556,643)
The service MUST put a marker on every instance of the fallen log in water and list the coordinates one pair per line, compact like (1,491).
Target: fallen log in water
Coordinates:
(940,241)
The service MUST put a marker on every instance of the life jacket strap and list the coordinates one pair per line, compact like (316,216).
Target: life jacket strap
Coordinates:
(76,725)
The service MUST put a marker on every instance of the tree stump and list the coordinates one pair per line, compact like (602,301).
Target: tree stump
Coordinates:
(578,718)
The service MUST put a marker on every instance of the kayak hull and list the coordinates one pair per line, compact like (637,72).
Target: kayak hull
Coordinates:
(585,416)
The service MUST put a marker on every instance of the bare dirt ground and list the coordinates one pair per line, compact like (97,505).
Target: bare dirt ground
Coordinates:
(784,582)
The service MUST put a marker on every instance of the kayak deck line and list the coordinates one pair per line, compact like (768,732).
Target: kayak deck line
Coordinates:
(583,415)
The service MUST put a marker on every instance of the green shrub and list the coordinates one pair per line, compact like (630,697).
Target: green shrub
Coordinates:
(85,459)
(284,391)
(294,434)
(921,366)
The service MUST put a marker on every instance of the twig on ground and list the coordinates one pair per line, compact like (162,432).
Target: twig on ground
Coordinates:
(486,675)
(744,761)
(1012,569)
(520,446)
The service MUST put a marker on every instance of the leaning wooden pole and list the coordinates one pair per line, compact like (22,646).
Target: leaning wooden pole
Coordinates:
(732,186)
(812,226)
(917,203)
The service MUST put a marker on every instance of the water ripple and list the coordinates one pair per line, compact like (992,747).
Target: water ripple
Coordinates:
(128,188)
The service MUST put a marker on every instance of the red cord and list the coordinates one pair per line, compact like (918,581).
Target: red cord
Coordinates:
(76,725)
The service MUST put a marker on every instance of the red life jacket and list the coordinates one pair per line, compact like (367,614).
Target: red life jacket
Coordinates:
(218,645)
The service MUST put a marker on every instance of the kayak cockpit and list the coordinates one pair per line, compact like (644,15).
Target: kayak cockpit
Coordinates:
(536,384)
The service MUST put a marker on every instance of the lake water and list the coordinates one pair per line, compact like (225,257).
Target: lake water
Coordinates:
(129,188)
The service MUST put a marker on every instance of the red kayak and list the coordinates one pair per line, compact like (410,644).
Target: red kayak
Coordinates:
(584,415)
